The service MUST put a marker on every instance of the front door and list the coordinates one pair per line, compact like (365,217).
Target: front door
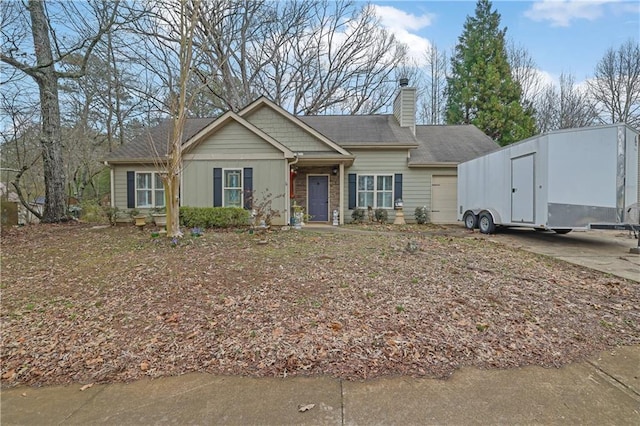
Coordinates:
(522,189)
(318,198)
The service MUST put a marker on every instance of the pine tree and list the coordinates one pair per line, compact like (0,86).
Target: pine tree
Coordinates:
(481,90)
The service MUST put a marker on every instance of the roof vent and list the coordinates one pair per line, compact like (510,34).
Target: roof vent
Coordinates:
(404,82)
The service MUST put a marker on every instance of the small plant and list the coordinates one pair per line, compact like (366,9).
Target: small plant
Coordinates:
(481,327)
(358,215)
(155,234)
(422,215)
(382,216)
(196,232)
(174,242)
(262,212)
(112,214)
(399,309)
(134,213)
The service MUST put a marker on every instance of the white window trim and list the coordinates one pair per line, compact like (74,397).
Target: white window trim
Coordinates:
(224,187)
(153,190)
(375,190)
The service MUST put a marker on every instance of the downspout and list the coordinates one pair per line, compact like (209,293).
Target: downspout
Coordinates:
(341,206)
(288,186)
(112,185)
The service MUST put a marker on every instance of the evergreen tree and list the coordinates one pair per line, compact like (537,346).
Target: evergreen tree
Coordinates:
(481,90)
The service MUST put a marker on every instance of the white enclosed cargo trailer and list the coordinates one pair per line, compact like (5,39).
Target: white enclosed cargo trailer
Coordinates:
(563,180)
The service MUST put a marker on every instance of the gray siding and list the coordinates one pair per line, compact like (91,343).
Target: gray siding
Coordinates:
(416,183)
(285,131)
(268,177)
(234,138)
(120,182)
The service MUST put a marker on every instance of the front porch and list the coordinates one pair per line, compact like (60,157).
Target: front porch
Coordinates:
(318,190)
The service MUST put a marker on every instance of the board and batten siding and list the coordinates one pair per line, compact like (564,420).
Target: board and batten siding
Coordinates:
(120,182)
(416,183)
(233,139)
(285,131)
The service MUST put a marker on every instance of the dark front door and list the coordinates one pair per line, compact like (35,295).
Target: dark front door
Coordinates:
(318,198)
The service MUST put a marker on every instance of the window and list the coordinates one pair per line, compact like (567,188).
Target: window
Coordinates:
(232,188)
(375,191)
(149,190)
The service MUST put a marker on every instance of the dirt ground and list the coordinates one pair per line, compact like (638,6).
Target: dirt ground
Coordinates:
(112,304)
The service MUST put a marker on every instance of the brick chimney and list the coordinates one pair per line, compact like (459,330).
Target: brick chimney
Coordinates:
(404,106)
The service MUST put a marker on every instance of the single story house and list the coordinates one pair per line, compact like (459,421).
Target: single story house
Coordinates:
(322,163)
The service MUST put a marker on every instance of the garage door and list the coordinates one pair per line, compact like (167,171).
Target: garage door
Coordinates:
(444,199)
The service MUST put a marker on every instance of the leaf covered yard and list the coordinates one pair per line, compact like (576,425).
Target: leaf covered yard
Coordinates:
(91,305)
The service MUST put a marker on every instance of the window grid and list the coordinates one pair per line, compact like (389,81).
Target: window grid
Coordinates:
(149,190)
(232,188)
(375,191)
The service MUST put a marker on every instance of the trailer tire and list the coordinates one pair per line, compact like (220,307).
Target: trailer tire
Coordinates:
(562,231)
(470,220)
(485,223)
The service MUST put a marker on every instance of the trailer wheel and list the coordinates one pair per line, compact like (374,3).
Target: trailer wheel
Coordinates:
(470,220)
(562,231)
(486,224)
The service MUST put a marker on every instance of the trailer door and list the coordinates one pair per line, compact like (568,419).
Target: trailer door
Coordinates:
(522,189)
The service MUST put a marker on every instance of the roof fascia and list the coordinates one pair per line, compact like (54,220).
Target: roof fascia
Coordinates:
(379,146)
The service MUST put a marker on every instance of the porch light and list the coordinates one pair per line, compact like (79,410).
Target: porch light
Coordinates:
(335,170)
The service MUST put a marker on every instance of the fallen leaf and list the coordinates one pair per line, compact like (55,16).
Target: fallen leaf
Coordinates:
(144,366)
(9,375)
(305,407)
(23,394)
(85,387)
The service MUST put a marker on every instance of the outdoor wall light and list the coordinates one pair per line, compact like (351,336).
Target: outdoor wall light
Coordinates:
(335,170)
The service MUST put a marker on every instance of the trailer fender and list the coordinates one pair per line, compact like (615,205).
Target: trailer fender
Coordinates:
(494,215)
(487,221)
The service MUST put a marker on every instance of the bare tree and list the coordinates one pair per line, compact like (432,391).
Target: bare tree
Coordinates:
(524,72)
(49,51)
(434,100)
(616,84)
(309,56)
(565,107)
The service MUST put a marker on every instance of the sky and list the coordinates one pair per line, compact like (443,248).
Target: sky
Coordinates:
(567,36)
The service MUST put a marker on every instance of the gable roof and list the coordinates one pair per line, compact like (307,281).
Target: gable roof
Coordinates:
(363,131)
(232,116)
(440,144)
(263,101)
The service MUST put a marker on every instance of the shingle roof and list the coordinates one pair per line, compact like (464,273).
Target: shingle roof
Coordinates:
(155,139)
(450,144)
(361,130)
(433,144)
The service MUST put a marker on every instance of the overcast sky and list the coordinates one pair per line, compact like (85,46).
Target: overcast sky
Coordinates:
(560,35)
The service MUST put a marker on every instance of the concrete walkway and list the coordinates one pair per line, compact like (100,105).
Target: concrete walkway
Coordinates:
(604,390)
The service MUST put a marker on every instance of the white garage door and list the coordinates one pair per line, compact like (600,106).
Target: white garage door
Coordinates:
(444,199)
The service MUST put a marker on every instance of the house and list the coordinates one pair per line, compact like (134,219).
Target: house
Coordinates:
(322,163)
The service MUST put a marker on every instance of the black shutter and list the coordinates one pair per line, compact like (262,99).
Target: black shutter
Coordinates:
(352,191)
(397,187)
(217,187)
(248,187)
(131,190)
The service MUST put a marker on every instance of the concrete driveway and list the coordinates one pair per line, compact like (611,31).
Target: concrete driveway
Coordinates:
(606,251)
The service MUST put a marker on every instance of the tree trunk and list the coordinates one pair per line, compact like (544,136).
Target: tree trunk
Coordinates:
(50,138)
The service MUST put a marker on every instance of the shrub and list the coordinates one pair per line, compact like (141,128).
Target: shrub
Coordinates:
(422,215)
(213,217)
(90,211)
(382,215)
(358,215)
